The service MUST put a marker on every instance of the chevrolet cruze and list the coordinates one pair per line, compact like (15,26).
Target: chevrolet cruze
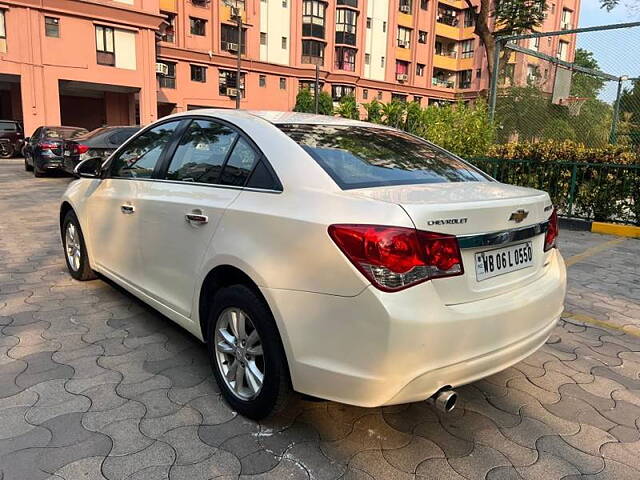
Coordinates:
(340,259)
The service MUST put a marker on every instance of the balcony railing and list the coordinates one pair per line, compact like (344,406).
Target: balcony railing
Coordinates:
(450,53)
(436,82)
(167,82)
(450,20)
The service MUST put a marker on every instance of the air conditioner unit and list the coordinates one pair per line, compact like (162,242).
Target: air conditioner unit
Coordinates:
(162,68)
(405,8)
(402,77)
(232,92)
(232,47)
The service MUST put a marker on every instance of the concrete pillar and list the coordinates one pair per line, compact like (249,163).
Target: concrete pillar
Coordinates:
(148,93)
(40,98)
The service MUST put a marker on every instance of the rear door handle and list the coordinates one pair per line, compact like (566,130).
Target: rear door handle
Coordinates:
(127,209)
(196,218)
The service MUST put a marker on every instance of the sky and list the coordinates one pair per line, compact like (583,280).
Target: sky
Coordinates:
(617,51)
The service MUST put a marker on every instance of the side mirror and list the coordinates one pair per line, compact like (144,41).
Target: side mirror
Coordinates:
(89,168)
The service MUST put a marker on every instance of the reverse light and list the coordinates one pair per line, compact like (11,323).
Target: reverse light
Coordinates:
(552,231)
(394,258)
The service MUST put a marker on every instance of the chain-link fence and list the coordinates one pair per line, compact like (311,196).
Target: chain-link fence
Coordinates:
(581,85)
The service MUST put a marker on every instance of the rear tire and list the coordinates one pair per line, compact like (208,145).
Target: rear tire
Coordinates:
(27,167)
(6,150)
(227,349)
(75,250)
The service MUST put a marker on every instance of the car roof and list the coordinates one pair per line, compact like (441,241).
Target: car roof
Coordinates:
(279,117)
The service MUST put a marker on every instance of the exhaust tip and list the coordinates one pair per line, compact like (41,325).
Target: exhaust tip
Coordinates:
(445,400)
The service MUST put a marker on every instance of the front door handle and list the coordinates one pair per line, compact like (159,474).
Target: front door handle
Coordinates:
(196,218)
(127,209)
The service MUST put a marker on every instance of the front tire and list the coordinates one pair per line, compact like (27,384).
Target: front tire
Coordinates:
(27,167)
(75,250)
(246,353)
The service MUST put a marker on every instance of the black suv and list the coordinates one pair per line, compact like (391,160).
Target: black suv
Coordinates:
(11,138)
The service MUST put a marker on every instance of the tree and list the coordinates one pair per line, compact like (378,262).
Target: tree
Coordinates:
(583,84)
(348,107)
(374,111)
(325,103)
(629,127)
(510,17)
(304,102)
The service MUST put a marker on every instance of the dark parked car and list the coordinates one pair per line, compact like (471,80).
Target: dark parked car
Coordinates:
(11,138)
(100,142)
(44,151)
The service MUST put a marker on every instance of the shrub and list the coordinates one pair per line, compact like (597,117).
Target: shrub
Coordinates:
(348,108)
(305,102)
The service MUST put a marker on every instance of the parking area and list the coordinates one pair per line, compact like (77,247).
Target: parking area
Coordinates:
(95,385)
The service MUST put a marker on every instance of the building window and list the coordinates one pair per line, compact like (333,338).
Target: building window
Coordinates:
(563,50)
(229,39)
(3,33)
(348,3)
(105,45)
(404,37)
(345,59)
(262,81)
(365,94)
(398,97)
(367,58)
(424,4)
(168,80)
(263,38)
(467,48)
(52,27)
(382,62)
(420,70)
(313,52)
(565,23)
(478,73)
(379,95)
(313,17)
(310,85)
(200,3)
(533,74)
(283,83)
(534,43)
(368,22)
(384,26)
(284,3)
(402,70)
(198,26)
(417,99)
(422,36)
(469,18)
(227,84)
(284,43)
(447,15)
(169,33)
(553,8)
(346,26)
(339,91)
(465,78)
(405,6)
(198,73)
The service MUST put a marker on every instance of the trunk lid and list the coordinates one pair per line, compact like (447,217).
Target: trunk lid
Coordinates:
(467,209)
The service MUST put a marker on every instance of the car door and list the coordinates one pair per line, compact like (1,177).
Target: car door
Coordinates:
(182,213)
(112,208)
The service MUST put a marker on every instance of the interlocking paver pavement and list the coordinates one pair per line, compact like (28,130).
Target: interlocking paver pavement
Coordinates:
(95,385)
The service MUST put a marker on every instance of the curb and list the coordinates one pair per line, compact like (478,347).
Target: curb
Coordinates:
(599,227)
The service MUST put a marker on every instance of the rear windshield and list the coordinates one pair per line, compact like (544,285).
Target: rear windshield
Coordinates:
(8,126)
(360,157)
(64,133)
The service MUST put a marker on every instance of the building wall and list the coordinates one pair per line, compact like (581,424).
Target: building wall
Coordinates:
(376,38)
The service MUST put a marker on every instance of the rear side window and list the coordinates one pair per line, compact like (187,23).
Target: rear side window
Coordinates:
(239,165)
(201,152)
(360,157)
(138,159)
(121,136)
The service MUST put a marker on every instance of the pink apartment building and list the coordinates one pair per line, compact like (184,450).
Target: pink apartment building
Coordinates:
(89,63)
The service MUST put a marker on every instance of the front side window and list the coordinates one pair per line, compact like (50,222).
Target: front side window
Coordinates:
(201,152)
(105,47)
(138,159)
(361,157)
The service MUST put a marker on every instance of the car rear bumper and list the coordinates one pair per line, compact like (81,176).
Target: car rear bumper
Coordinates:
(382,348)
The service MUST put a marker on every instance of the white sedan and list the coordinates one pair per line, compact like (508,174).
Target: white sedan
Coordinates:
(336,258)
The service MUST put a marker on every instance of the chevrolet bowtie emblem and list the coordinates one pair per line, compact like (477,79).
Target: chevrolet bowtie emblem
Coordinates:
(519,215)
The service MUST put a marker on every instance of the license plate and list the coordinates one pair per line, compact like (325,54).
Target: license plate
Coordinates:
(67,153)
(503,260)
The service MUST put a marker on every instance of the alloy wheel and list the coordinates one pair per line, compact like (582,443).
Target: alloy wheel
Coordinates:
(72,246)
(239,355)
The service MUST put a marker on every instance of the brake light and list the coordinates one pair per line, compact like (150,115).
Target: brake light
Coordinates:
(80,149)
(394,258)
(47,145)
(552,231)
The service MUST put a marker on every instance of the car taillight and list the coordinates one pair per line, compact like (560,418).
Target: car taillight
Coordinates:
(47,145)
(552,231)
(80,149)
(393,258)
